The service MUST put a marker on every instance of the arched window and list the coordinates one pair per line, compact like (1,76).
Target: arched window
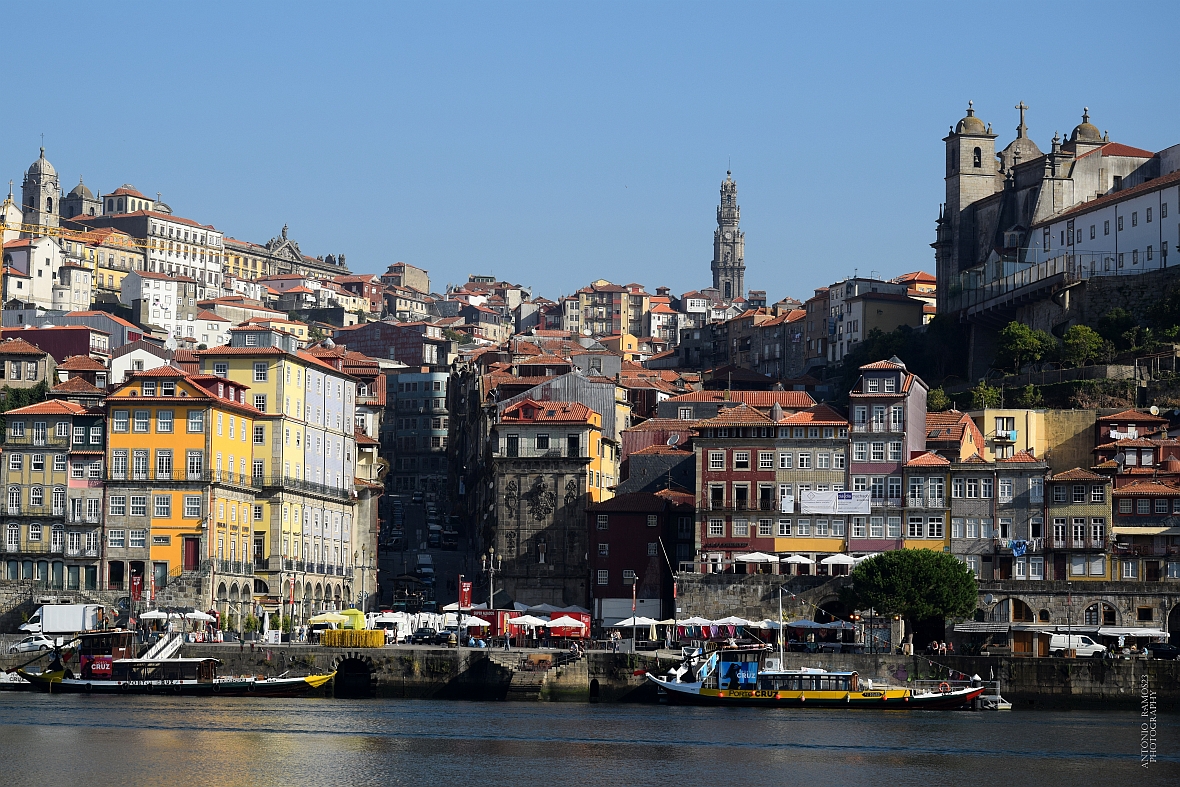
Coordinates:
(14,499)
(1100,614)
(1043,616)
(111,205)
(121,201)
(1021,612)
(978,158)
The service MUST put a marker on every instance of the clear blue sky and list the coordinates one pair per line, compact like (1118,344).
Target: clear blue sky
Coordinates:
(553,143)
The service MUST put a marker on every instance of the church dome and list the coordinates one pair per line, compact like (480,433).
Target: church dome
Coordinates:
(81,191)
(41,166)
(1085,131)
(1020,149)
(970,124)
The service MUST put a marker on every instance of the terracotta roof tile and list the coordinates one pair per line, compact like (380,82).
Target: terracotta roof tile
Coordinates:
(19,347)
(1132,415)
(788,400)
(1146,488)
(820,414)
(1078,474)
(1022,456)
(81,363)
(741,415)
(50,407)
(77,385)
(929,459)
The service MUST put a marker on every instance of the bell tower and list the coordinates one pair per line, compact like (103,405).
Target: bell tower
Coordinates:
(729,245)
(40,192)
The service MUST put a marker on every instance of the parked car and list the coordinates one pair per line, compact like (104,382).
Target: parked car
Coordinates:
(36,642)
(424,636)
(1163,650)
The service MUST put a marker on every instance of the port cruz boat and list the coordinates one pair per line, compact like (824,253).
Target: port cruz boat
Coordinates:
(107,666)
(754,676)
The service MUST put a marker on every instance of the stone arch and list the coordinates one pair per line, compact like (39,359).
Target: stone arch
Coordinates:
(830,608)
(222,592)
(1013,610)
(355,676)
(319,592)
(233,592)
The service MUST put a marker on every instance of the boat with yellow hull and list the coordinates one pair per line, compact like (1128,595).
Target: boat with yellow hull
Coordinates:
(748,676)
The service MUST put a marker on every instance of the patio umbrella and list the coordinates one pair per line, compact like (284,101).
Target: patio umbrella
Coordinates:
(839,560)
(799,559)
(635,621)
(756,557)
(201,616)
(732,620)
(526,620)
(470,620)
(804,624)
(155,614)
(328,617)
(565,621)
(694,621)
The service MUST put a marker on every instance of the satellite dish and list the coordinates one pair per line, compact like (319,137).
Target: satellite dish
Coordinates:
(1154,410)
(1120,457)
(673,439)
(587,332)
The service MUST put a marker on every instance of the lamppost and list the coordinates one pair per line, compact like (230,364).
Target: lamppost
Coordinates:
(364,565)
(492,565)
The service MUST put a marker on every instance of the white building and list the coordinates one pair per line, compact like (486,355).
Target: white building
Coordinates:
(44,275)
(167,301)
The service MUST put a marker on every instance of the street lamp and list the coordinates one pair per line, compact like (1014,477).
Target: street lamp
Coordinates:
(492,565)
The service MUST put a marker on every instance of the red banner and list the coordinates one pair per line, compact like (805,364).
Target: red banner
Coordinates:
(464,595)
(136,588)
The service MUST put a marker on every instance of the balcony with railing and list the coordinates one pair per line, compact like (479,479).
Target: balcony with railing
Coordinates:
(35,440)
(239,567)
(1086,544)
(179,474)
(298,485)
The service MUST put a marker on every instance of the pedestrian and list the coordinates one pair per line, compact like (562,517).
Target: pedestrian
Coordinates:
(950,648)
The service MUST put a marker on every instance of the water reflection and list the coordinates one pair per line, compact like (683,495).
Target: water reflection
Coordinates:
(178,741)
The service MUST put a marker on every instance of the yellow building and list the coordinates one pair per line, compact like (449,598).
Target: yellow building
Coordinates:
(1007,432)
(180,449)
(305,459)
(109,253)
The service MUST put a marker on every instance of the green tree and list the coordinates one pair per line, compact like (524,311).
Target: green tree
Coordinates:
(984,396)
(918,584)
(1029,396)
(1119,327)
(937,401)
(1081,344)
(1020,345)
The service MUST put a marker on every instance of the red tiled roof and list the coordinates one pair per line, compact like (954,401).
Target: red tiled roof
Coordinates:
(662,448)
(77,385)
(1146,488)
(788,400)
(741,415)
(880,365)
(1132,415)
(50,407)
(820,414)
(974,459)
(1019,457)
(81,363)
(1078,474)
(928,459)
(1171,179)
(1118,149)
(19,347)
(551,412)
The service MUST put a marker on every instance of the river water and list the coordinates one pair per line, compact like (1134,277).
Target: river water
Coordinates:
(94,741)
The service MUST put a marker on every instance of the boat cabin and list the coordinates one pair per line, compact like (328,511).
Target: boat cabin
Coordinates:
(755,668)
(96,652)
(147,670)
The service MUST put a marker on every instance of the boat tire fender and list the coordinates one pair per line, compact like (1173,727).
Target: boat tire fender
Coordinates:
(89,687)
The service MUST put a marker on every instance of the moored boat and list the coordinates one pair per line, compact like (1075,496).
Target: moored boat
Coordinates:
(753,676)
(107,666)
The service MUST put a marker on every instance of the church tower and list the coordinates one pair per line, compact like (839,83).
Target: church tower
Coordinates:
(40,192)
(729,245)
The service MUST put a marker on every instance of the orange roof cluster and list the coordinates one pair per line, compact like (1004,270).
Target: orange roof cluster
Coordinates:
(929,459)
(788,400)
(50,407)
(1078,474)
(530,410)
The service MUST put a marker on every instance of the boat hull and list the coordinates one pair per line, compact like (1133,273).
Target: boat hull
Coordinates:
(57,683)
(875,699)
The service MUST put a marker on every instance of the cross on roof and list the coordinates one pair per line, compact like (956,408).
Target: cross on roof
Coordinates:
(1021,128)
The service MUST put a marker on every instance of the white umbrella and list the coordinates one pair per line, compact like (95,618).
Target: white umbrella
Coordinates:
(204,618)
(155,614)
(732,620)
(865,557)
(755,557)
(565,621)
(526,620)
(839,560)
(800,559)
(636,621)
(769,624)
(694,621)
(325,617)
(470,620)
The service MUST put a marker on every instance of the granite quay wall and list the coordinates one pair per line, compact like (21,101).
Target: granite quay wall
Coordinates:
(755,596)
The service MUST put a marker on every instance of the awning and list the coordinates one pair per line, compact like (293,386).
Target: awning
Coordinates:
(1127,631)
(982,627)
(1121,530)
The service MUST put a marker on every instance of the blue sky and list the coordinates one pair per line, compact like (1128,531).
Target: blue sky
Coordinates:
(553,143)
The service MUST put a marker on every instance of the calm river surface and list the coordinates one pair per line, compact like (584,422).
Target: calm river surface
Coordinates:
(78,740)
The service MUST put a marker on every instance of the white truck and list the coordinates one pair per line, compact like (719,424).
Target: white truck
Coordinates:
(64,619)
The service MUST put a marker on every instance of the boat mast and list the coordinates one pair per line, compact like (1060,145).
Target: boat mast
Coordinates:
(781,659)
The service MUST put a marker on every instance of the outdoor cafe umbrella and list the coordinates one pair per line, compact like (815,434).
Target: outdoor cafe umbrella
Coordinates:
(839,560)
(328,617)
(732,620)
(694,621)
(565,621)
(471,620)
(633,622)
(756,557)
(158,614)
(799,559)
(526,620)
(198,615)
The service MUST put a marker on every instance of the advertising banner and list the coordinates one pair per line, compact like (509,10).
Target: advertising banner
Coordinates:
(817,502)
(852,502)
(464,595)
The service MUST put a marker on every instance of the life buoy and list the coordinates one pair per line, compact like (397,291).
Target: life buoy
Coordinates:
(88,688)
(253,686)
(216,688)
(124,687)
(944,687)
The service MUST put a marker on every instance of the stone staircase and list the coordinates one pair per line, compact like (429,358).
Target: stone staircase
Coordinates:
(529,675)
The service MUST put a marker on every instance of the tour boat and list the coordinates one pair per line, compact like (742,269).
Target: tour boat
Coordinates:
(107,666)
(751,676)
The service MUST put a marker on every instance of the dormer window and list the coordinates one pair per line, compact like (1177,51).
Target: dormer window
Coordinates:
(149,388)
(168,388)
(872,385)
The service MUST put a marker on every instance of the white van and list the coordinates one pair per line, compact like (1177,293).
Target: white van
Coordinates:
(1083,645)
